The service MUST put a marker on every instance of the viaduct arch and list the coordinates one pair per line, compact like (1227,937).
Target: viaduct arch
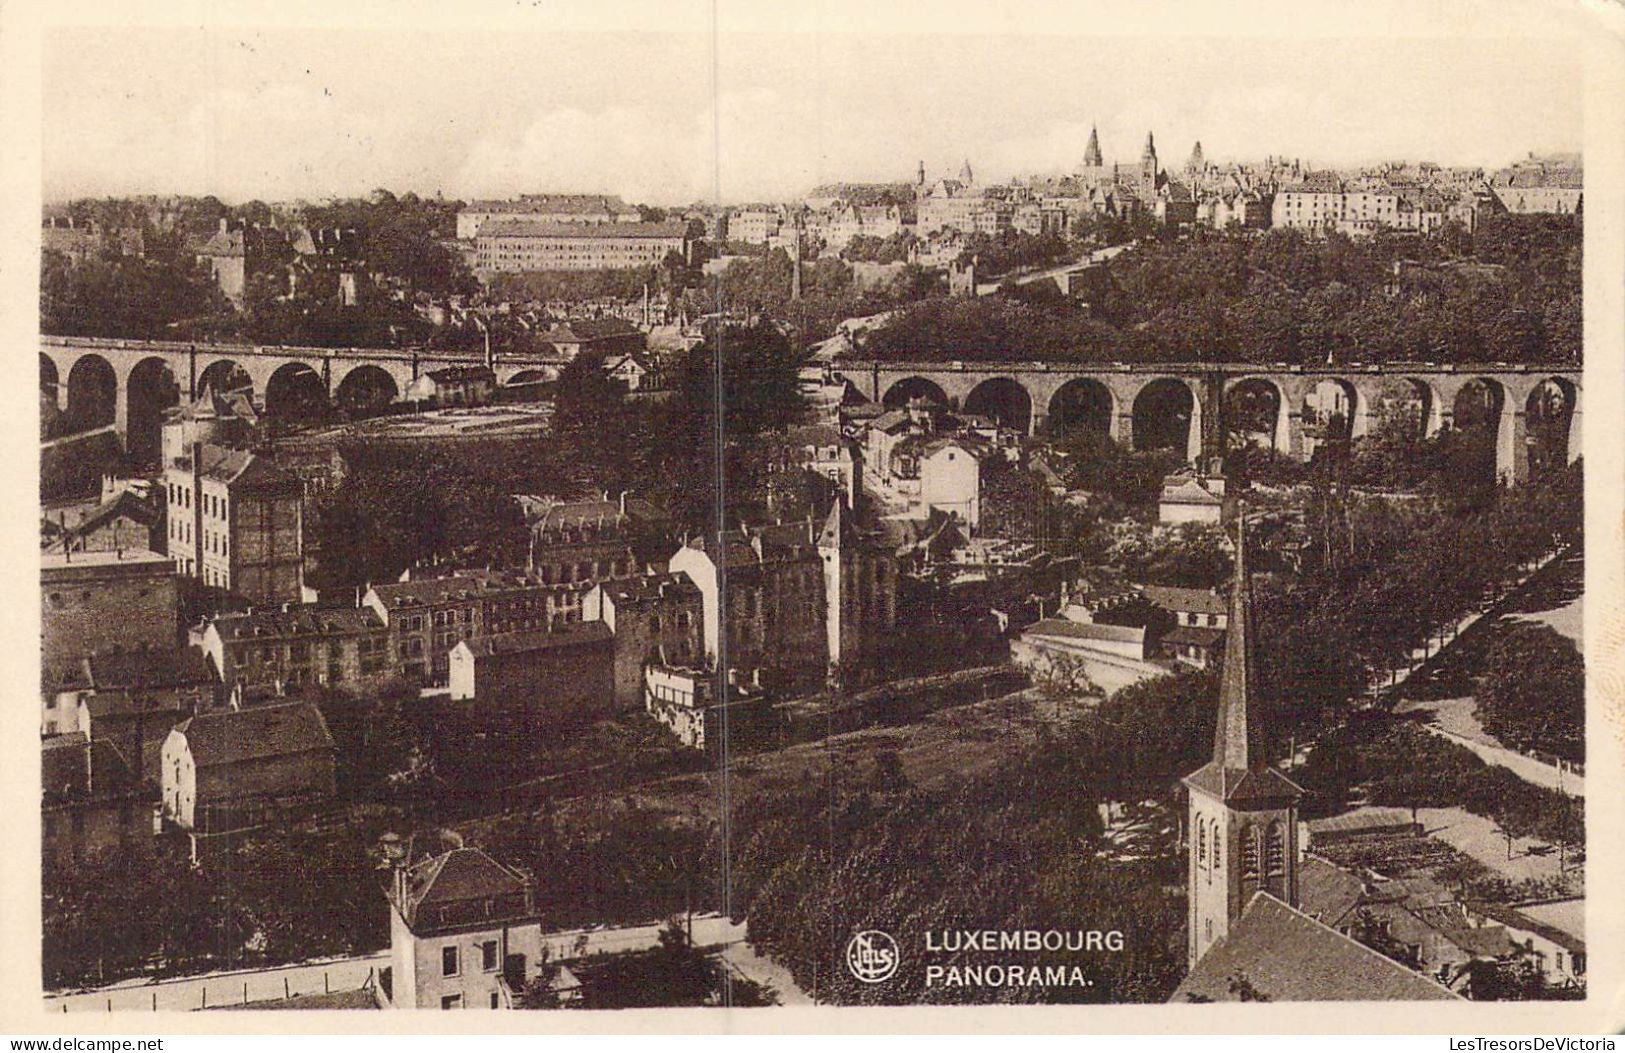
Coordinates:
(129,383)
(1069,395)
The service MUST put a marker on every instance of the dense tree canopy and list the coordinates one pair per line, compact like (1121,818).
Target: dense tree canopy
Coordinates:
(1532,695)
(1508,292)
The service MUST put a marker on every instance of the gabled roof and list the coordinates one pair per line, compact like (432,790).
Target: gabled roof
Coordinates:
(1177,598)
(1072,630)
(155,668)
(1189,492)
(1200,635)
(1327,892)
(1284,955)
(463,876)
(231,736)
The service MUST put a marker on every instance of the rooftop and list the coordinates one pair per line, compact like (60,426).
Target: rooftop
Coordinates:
(523,228)
(230,736)
(1284,955)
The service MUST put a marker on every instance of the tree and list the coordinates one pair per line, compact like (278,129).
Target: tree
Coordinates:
(1532,694)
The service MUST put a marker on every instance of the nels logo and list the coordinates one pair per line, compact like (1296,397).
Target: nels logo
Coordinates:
(872,956)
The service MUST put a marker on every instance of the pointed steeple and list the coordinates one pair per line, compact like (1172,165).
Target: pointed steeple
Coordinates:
(965,175)
(1150,151)
(1233,748)
(1091,153)
(1196,162)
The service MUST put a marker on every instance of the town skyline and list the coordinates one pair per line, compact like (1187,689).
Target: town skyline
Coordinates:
(305,119)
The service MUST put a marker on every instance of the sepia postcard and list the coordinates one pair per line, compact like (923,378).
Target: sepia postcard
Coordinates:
(816,517)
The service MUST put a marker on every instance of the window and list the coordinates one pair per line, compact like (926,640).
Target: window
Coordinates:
(488,956)
(494,1004)
(451,1002)
(448,961)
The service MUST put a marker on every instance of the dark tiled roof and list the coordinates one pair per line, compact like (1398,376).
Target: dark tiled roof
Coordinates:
(436,888)
(273,622)
(1327,892)
(1287,956)
(1085,630)
(229,736)
(1262,784)
(1174,598)
(650,586)
(158,668)
(1199,635)
(243,470)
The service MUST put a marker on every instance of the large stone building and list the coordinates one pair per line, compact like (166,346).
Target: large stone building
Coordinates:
(656,618)
(276,649)
(230,770)
(538,676)
(428,617)
(593,540)
(236,523)
(774,622)
(545,208)
(516,246)
(99,603)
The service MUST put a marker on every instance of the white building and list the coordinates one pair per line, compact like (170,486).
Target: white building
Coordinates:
(464,933)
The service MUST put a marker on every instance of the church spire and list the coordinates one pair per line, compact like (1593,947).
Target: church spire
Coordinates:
(1233,748)
(965,175)
(1091,153)
(1150,151)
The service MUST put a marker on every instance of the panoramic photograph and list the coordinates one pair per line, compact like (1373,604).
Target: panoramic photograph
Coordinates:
(739,520)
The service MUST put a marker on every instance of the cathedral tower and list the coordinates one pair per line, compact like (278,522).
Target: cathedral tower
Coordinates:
(1148,166)
(1242,823)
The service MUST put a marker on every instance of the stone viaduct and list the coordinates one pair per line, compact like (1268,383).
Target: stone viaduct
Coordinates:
(1026,395)
(150,375)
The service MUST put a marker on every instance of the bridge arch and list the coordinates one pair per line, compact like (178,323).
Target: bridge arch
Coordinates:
(50,378)
(1005,400)
(521,377)
(1552,416)
(296,392)
(1335,411)
(151,389)
(1164,414)
(223,375)
(365,389)
(1488,419)
(1415,399)
(898,395)
(1082,402)
(93,393)
(1261,406)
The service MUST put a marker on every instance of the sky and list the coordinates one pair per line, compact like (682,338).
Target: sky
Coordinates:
(674,117)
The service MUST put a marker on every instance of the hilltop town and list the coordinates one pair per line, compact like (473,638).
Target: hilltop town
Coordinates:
(559,602)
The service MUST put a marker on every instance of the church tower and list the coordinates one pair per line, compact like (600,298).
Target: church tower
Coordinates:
(1148,166)
(1091,153)
(1242,824)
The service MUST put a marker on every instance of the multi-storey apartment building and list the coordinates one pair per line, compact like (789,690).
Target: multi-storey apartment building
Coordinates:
(518,245)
